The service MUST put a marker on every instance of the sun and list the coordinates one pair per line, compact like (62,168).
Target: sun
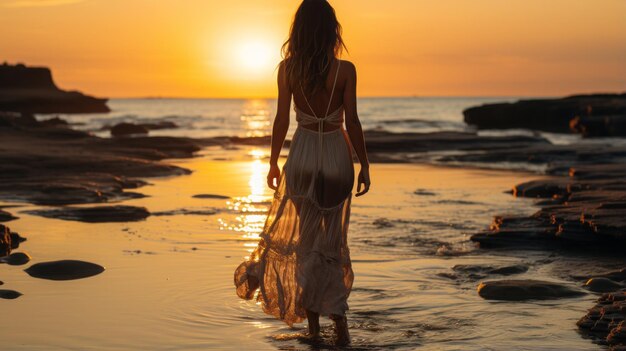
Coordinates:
(254,56)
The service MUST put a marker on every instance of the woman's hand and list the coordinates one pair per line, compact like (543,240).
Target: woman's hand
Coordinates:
(274,173)
(364,179)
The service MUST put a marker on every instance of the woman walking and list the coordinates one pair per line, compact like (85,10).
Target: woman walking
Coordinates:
(301,265)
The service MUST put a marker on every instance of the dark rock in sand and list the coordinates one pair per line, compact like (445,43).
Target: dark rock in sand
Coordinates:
(424,192)
(5,240)
(210,196)
(541,188)
(16,259)
(32,90)
(64,270)
(519,290)
(9,294)
(126,129)
(619,276)
(99,214)
(517,232)
(16,239)
(603,285)
(6,216)
(606,320)
(552,115)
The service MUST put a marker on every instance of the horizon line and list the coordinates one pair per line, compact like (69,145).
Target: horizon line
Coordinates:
(156,97)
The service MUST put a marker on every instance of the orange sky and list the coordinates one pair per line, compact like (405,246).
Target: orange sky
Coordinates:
(200,48)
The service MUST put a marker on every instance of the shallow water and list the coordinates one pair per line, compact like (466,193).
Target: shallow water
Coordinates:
(201,118)
(177,293)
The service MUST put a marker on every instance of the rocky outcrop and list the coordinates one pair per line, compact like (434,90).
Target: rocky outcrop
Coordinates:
(32,90)
(55,165)
(551,115)
(605,321)
(599,126)
(586,209)
(5,241)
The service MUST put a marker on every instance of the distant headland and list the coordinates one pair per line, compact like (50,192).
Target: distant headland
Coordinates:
(32,90)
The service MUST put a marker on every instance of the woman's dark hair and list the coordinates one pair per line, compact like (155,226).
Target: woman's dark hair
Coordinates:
(314,41)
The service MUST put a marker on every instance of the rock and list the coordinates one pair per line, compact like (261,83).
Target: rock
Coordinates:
(606,319)
(16,259)
(99,214)
(32,90)
(599,126)
(6,216)
(5,240)
(125,129)
(424,192)
(519,290)
(589,211)
(210,196)
(42,165)
(159,125)
(16,239)
(602,285)
(551,115)
(9,294)
(619,276)
(54,122)
(64,270)
(541,188)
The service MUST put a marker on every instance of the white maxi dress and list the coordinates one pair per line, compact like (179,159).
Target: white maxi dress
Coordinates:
(302,261)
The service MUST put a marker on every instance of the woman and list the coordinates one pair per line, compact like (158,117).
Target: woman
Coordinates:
(302,262)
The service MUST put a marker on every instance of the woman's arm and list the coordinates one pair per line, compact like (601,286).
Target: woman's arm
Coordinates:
(355,131)
(280,127)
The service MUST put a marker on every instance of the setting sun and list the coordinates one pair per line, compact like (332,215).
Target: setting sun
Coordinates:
(254,56)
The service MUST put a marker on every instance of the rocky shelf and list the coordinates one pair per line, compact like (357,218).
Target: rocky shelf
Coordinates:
(32,90)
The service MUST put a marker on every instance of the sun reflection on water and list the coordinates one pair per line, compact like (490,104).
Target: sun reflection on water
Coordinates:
(256,118)
(250,211)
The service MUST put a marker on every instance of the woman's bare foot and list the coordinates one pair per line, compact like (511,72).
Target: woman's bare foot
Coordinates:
(341,327)
(314,324)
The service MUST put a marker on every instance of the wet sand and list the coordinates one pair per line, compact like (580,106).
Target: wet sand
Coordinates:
(168,279)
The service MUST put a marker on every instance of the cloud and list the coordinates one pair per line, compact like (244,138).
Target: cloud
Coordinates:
(37,3)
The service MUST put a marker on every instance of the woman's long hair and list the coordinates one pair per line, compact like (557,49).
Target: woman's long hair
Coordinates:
(314,42)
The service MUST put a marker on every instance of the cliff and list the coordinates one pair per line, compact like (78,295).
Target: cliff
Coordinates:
(32,90)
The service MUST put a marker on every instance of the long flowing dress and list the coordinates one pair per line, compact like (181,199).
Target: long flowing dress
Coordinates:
(302,261)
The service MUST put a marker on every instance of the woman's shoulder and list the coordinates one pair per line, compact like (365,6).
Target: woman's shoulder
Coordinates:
(347,64)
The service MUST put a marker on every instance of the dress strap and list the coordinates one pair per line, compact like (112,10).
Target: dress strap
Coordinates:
(330,101)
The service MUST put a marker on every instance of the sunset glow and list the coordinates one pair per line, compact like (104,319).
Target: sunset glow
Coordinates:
(401,48)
